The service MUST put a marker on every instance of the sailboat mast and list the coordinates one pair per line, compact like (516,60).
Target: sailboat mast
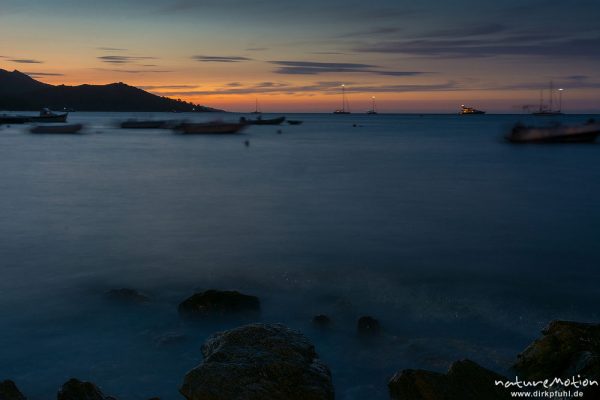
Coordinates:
(541,100)
(551,94)
(344,98)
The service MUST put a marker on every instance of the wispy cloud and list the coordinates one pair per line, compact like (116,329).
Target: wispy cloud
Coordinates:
(26,61)
(42,74)
(168,87)
(110,49)
(220,59)
(257,49)
(135,71)
(315,68)
(118,59)
(511,45)
(326,87)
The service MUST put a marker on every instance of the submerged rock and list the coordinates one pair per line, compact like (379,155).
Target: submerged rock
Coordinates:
(368,326)
(465,380)
(126,295)
(213,303)
(259,362)
(74,389)
(321,321)
(9,391)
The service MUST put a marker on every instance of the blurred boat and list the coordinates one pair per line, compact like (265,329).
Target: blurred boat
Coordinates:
(294,122)
(261,121)
(557,133)
(144,124)
(464,110)
(214,127)
(48,116)
(57,129)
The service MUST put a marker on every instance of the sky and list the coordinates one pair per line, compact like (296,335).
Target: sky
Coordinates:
(412,56)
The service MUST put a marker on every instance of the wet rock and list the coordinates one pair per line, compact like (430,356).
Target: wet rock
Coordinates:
(75,389)
(564,347)
(368,326)
(126,295)
(9,391)
(214,303)
(465,380)
(259,362)
(321,321)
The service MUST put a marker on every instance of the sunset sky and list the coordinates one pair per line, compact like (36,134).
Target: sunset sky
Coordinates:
(425,56)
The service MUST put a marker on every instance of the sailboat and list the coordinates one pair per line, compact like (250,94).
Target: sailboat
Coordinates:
(547,109)
(256,108)
(372,110)
(344,109)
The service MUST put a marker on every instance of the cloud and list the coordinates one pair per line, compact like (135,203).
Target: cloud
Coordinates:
(168,87)
(466,31)
(327,87)
(26,61)
(42,74)
(110,49)
(112,59)
(257,49)
(220,59)
(135,71)
(512,45)
(315,68)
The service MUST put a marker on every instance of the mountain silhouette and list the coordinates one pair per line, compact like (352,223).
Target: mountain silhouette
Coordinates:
(20,92)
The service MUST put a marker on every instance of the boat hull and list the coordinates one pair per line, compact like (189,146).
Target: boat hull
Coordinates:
(586,133)
(57,129)
(210,128)
(57,118)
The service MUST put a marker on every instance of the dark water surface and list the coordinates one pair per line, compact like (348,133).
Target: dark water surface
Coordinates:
(460,244)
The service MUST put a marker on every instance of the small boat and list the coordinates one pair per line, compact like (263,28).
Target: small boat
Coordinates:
(262,121)
(256,108)
(294,122)
(48,116)
(557,133)
(57,129)
(548,110)
(464,110)
(345,106)
(372,111)
(144,124)
(214,127)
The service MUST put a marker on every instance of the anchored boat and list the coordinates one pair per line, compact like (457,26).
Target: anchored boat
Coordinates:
(464,110)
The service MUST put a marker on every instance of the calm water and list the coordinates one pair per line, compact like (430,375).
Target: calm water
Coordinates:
(462,245)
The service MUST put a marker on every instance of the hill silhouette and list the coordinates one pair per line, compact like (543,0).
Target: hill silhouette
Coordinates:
(20,92)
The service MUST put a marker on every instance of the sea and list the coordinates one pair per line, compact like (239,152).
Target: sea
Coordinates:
(461,244)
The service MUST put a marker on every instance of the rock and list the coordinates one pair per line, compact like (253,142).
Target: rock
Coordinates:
(368,326)
(126,295)
(321,321)
(9,391)
(564,348)
(465,380)
(213,303)
(75,389)
(259,362)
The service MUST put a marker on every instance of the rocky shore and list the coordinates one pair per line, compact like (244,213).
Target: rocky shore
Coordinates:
(259,361)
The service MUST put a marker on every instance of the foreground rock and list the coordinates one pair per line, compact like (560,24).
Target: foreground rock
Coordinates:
(9,391)
(465,380)
(75,389)
(565,350)
(216,303)
(259,362)
(126,295)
